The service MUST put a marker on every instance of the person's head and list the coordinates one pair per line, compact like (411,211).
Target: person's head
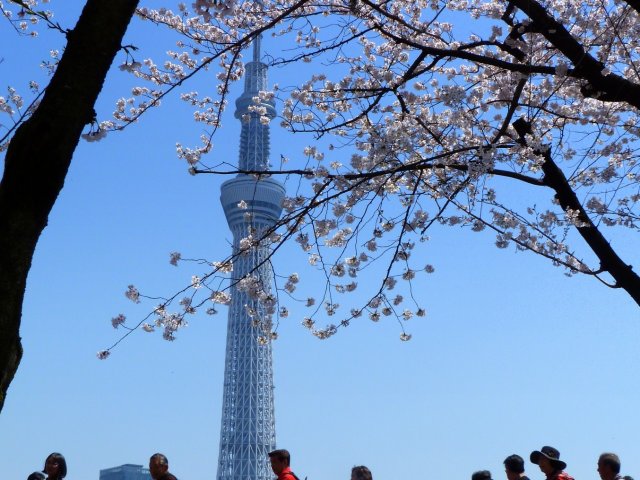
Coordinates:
(514,466)
(608,466)
(548,459)
(361,473)
(158,466)
(55,466)
(280,459)
(36,476)
(481,475)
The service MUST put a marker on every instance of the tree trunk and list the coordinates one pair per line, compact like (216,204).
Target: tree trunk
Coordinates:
(39,156)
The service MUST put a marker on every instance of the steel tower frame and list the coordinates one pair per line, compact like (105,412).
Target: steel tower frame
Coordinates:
(247,431)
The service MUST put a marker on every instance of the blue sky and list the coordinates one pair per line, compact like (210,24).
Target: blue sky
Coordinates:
(512,355)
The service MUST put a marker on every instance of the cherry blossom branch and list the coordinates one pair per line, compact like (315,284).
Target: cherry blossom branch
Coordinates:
(603,86)
(624,275)
(234,47)
(41,15)
(510,112)
(635,4)
(23,116)
(425,164)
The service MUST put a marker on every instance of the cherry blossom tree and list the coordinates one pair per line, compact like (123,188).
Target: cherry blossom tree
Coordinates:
(518,117)
(39,144)
(38,135)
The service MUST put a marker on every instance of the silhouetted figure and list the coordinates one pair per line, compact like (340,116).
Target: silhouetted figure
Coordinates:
(280,464)
(55,466)
(514,467)
(36,476)
(159,467)
(361,473)
(609,467)
(481,475)
(548,459)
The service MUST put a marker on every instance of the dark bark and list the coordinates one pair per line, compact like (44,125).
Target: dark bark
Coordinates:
(39,156)
(635,4)
(610,262)
(609,87)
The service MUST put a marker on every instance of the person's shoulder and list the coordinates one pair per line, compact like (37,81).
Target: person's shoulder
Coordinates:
(168,476)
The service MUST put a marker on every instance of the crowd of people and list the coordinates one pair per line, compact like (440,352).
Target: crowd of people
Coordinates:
(547,459)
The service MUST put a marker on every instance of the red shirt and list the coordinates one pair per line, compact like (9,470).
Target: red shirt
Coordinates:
(286,474)
(561,476)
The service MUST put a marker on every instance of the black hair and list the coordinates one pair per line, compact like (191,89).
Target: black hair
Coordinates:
(361,473)
(612,460)
(36,476)
(281,455)
(62,464)
(481,475)
(161,458)
(514,463)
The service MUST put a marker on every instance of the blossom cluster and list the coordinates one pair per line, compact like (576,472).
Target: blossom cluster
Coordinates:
(503,131)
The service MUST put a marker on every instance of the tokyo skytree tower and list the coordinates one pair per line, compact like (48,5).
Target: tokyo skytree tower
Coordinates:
(248,423)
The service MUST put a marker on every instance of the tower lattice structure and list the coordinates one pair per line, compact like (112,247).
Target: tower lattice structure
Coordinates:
(250,205)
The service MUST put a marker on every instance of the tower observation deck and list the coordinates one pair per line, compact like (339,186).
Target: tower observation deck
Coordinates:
(250,204)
